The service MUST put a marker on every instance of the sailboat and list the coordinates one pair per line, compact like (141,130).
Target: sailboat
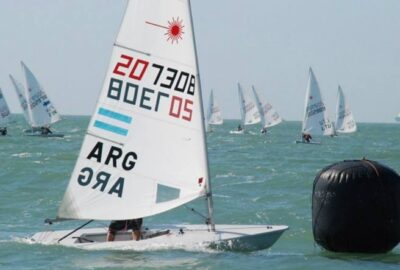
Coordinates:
(41,110)
(19,89)
(4,115)
(269,116)
(145,149)
(315,120)
(397,118)
(345,122)
(214,116)
(248,111)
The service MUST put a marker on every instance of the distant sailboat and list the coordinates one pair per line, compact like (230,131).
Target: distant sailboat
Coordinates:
(248,111)
(147,154)
(19,89)
(315,120)
(345,122)
(42,112)
(397,118)
(214,116)
(4,115)
(269,116)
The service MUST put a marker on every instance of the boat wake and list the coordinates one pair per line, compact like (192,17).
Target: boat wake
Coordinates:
(195,247)
(23,155)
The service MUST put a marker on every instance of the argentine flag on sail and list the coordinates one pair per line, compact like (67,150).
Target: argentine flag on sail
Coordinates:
(112,121)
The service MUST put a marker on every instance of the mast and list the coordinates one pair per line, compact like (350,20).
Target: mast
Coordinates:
(210,206)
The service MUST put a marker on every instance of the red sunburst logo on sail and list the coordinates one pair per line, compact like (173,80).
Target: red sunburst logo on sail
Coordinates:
(174,29)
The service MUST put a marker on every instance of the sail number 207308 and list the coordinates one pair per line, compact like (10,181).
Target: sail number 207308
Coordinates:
(169,85)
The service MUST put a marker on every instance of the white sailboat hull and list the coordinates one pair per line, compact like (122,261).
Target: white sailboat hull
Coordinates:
(236,132)
(37,132)
(226,237)
(307,142)
(57,135)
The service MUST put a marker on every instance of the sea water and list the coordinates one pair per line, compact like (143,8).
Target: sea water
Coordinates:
(256,179)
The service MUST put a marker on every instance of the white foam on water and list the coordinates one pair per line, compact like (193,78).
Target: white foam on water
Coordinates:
(247,182)
(221,196)
(195,247)
(22,155)
(133,262)
(74,130)
(225,175)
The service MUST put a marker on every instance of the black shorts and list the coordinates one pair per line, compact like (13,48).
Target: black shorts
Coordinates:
(120,225)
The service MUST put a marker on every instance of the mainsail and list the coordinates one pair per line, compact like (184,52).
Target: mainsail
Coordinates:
(144,152)
(214,116)
(345,122)
(19,89)
(269,116)
(248,109)
(41,110)
(315,121)
(4,111)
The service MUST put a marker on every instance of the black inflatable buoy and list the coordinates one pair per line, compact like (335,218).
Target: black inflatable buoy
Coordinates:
(356,207)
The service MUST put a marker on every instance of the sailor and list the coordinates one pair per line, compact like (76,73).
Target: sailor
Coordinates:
(45,131)
(239,128)
(124,225)
(264,130)
(3,131)
(306,138)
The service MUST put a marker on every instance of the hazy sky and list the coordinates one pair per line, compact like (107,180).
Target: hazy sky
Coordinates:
(268,43)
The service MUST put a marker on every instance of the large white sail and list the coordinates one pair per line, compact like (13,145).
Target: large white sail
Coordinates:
(4,111)
(214,116)
(397,118)
(269,116)
(41,111)
(19,89)
(345,122)
(144,152)
(315,121)
(248,108)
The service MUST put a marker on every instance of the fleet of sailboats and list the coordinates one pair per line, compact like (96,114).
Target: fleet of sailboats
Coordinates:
(143,178)
(345,122)
(145,150)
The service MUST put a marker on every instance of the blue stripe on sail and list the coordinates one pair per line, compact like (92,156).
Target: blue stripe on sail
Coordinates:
(111,128)
(114,115)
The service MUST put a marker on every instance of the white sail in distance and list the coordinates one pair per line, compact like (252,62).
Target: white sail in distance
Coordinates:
(248,108)
(19,89)
(345,122)
(41,111)
(4,111)
(269,116)
(315,120)
(144,152)
(214,115)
